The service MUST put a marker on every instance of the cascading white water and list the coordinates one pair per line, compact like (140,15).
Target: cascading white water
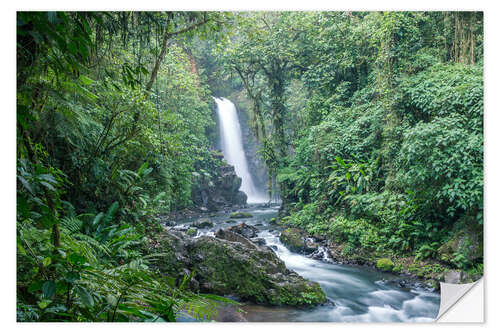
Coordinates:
(232,147)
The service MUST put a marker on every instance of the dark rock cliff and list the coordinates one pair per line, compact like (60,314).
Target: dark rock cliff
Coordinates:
(217,188)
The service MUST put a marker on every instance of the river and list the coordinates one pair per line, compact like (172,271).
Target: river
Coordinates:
(357,294)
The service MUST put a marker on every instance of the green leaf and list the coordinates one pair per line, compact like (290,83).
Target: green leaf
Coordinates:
(44,303)
(52,16)
(85,296)
(46,261)
(47,177)
(49,289)
(76,259)
(111,299)
(49,186)
(86,80)
(35,286)
(111,212)
(21,249)
(25,184)
(72,277)
(97,219)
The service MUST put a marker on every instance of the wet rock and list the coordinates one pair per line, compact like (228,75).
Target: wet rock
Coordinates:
(240,198)
(240,215)
(234,237)
(230,221)
(432,285)
(453,277)
(240,267)
(296,240)
(205,223)
(218,190)
(245,230)
(321,254)
(181,227)
(258,241)
(385,264)
(256,275)
(192,231)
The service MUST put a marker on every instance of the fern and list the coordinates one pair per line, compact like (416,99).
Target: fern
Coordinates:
(72,224)
(110,213)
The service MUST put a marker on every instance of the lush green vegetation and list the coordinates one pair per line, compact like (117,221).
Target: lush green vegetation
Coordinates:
(112,120)
(370,125)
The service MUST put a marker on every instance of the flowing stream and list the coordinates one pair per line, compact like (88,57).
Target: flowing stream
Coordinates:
(232,147)
(357,294)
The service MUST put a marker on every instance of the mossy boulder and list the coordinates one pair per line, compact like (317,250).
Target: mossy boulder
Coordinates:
(234,265)
(204,223)
(192,231)
(296,240)
(398,268)
(385,264)
(464,243)
(230,221)
(245,230)
(241,215)
(273,220)
(258,275)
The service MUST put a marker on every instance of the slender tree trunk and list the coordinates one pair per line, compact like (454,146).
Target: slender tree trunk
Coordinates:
(158,61)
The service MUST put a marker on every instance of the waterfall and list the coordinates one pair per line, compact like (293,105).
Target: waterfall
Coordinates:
(232,147)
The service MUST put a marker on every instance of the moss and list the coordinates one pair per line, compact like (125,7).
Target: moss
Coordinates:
(385,264)
(292,239)
(192,231)
(230,221)
(309,294)
(240,215)
(273,220)
(250,275)
(398,268)
(205,223)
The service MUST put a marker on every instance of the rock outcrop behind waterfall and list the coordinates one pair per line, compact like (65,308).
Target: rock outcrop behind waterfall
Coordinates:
(218,187)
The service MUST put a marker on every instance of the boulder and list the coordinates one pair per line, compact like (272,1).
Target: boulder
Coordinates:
(296,240)
(385,264)
(204,223)
(240,198)
(233,265)
(192,232)
(240,215)
(453,277)
(219,189)
(256,275)
(234,237)
(245,230)
(258,241)
(466,242)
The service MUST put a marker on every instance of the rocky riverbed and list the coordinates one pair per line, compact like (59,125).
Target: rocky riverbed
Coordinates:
(245,259)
